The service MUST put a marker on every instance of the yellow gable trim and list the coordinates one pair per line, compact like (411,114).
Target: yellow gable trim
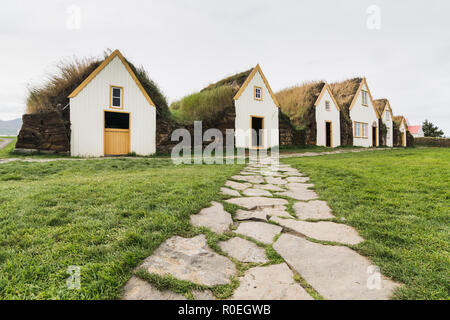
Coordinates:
(249,78)
(325,88)
(364,82)
(388,105)
(116,53)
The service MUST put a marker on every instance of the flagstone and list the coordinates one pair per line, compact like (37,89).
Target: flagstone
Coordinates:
(276,180)
(275,282)
(269,187)
(256,215)
(313,210)
(244,250)
(257,193)
(260,231)
(214,218)
(251,203)
(251,179)
(138,289)
(297,179)
(190,259)
(237,185)
(324,231)
(229,192)
(335,272)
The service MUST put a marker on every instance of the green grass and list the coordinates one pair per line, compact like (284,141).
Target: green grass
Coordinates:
(398,200)
(105,216)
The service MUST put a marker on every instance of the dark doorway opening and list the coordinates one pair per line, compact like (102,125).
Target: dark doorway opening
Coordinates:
(328,137)
(374,136)
(257,132)
(117,120)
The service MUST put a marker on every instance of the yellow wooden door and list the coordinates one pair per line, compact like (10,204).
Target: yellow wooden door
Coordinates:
(117,142)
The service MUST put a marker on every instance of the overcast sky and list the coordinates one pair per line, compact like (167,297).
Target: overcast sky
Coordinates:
(404,51)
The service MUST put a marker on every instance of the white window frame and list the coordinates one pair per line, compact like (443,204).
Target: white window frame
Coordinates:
(361,130)
(256,89)
(387,115)
(112,97)
(327,105)
(364,98)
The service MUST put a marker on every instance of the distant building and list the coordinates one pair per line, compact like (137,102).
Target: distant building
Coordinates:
(416,131)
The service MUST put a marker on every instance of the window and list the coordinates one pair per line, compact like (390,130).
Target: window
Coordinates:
(258,93)
(364,130)
(388,133)
(327,105)
(364,98)
(117,120)
(387,115)
(361,130)
(116,97)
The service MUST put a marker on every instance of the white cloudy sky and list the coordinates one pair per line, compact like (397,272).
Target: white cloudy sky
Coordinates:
(187,44)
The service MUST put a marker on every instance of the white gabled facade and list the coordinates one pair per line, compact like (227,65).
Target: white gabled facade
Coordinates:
(364,118)
(387,118)
(248,103)
(327,111)
(90,101)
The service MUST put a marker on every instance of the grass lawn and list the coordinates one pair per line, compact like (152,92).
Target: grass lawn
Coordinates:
(105,216)
(399,202)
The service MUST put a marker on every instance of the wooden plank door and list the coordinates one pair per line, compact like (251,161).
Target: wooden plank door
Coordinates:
(117,142)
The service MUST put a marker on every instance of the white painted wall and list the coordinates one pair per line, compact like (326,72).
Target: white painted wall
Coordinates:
(247,106)
(388,122)
(87,109)
(323,115)
(364,114)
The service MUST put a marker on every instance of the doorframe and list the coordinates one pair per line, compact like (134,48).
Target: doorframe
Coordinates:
(129,128)
(376,136)
(251,133)
(331,133)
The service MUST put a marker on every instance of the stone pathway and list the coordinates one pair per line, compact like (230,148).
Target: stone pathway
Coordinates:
(279,210)
(5,142)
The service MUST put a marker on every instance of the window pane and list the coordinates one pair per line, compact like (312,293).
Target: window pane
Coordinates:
(116,102)
(116,92)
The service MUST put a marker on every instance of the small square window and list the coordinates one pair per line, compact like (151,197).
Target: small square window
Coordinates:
(116,97)
(387,115)
(327,105)
(258,93)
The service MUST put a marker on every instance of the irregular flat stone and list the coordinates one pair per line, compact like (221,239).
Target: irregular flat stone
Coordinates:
(214,218)
(138,289)
(270,187)
(229,192)
(255,202)
(244,250)
(203,295)
(237,185)
(325,231)
(257,193)
(276,211)
(251,179)
(190,259)
(313,210)
(274,282)
(256,215)
(260,231)
(271,174)
(299,191)
(336,272)
(247,173)
(297,179)
(293,174)
(276,181)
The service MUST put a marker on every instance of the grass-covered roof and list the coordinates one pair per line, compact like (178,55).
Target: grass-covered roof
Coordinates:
(344,92)
(398,120)
(298,100)
(380,104)
(53,93)
(209,102)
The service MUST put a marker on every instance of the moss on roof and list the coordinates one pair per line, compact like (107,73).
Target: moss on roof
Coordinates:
(398,120)
(235,81)
(298,100)
(344,92)
(210,102)
(380,104)
(53,94)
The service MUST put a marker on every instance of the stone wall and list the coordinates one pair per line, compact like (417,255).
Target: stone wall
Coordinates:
(46,131)
(432,142)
